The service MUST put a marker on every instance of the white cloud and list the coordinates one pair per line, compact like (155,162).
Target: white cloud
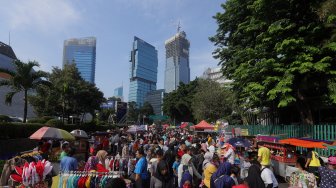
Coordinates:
(43,15)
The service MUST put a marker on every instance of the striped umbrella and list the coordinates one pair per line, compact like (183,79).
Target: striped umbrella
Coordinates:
(51,133)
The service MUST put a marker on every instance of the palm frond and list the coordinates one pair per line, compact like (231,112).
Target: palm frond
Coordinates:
(39,74)
(41,82)
(9,97)
(32,64)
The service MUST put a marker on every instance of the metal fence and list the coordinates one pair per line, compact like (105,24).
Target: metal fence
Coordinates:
(318,132)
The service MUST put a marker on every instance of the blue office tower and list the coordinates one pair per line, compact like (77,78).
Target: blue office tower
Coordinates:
(143,71)
(82,52)
(118,92)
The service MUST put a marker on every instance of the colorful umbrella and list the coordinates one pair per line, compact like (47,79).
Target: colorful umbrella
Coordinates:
(79,133)
(239,142)
(51,133)
(186,124)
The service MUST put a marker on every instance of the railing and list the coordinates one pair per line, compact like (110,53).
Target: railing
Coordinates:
(318,132)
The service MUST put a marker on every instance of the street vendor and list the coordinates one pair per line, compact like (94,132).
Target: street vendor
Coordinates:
(264,156)
(65,149)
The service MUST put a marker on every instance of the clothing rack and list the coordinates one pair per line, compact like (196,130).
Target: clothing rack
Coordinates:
(82,178)
(86,173)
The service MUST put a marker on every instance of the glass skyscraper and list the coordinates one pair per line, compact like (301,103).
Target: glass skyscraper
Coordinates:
(82,52)
(155,98)
(143,71)
(118,92)
(177,61)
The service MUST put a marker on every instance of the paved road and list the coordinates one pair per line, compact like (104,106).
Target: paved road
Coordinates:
(283,185)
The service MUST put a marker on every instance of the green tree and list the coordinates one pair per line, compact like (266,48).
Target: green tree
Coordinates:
(68,95)
(145,111)
(278,53)
(212,101)
(132,112)
(23,79)
(177,104)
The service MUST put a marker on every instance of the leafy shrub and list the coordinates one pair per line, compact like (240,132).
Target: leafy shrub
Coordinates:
(4,118)
(37,120)
(47,118)
(54,123)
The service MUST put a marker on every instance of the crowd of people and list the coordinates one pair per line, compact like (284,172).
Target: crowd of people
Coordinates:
(174,159)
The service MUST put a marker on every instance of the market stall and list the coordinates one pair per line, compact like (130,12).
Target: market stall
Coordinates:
(203,127)
(81,144)
(282,155)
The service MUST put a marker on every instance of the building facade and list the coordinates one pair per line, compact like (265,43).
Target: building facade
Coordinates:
(216,75)
(155,98)
(143,71)
(7,56)
(118,92)
(82,52)
(177,62)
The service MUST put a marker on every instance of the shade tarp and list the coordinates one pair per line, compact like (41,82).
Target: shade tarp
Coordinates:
(158,117)
(204,125)
(303,143)
(136,128)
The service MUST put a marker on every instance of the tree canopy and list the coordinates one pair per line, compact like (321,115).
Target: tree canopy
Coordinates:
(211,101)
(177,104)
(278,53)
(69,95)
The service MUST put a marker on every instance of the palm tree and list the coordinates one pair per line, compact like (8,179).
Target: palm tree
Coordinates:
(23,78)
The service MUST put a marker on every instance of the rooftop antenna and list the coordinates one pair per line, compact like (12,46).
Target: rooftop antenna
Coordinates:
(9,38)
(178,27)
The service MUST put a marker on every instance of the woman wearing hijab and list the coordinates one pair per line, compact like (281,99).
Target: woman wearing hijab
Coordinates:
(209,167)
(101,156)
(162,178)
(207,159)
(184,169)
(254,177)
(221,178)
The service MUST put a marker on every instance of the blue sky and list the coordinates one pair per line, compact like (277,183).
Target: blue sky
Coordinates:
(39,27)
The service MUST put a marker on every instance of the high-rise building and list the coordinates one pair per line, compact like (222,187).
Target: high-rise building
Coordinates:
(155,98)
(118,92)
(143,71)
(82,52)
(177,61)
(216,75)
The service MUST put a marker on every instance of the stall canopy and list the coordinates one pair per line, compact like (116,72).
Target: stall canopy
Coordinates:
(303,143)
(204,125)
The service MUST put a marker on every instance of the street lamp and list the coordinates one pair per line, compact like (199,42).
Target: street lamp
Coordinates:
(143,119)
